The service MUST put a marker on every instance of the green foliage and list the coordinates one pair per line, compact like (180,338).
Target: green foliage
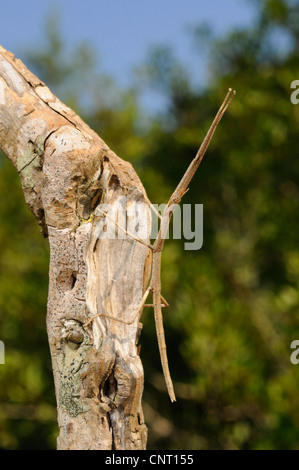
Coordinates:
(233,304)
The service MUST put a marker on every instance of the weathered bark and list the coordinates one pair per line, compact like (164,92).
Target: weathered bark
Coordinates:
(66,170)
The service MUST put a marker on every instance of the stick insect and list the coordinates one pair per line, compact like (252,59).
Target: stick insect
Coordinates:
(154,285)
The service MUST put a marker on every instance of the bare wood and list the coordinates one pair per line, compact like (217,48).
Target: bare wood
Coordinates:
(137,312)
(124,230)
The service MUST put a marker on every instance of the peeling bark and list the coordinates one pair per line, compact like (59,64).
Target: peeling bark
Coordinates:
(66,171)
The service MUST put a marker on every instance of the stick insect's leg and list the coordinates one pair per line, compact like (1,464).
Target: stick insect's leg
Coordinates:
(125,231)
(164,302)
(129,322)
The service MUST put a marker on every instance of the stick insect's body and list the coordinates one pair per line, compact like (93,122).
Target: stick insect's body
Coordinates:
(152,273)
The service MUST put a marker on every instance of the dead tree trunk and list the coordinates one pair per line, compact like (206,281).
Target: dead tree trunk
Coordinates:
(66,170)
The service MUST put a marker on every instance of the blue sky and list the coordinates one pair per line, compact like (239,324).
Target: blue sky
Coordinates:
(122,31)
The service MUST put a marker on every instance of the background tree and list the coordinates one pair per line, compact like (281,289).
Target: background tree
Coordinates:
(234,303)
